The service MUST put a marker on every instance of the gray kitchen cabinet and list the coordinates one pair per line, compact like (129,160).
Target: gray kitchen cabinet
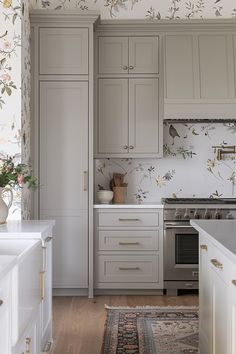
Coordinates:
(198,75)
(63,139)
(63,51)
(128,118)
(122,55)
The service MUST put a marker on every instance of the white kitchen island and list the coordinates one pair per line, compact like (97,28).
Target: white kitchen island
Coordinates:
(25,286)
(217,286)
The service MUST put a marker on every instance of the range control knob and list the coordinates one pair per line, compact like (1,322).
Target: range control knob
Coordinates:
(186,214)
(229,215)
(196,214)
(178,214)
(217,214)
(207,214)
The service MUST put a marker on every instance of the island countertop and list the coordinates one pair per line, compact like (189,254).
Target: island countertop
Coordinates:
(222,233)
(27,229)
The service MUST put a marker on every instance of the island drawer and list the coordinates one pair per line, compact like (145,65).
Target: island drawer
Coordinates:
(128,240)
(129,218)
(128,269)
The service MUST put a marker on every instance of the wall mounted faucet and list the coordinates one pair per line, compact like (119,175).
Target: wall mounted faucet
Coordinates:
(223,150)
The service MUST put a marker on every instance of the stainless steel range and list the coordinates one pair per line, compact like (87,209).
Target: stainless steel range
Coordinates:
(181,239)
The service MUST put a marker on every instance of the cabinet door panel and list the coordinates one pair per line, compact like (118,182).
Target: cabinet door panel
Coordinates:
(63,51)
(179,66)
(213,66)
(143,116)
(113,116)
(63,161)
(143,55)
(63,145)
(234,51)
(113,55)
(232,318)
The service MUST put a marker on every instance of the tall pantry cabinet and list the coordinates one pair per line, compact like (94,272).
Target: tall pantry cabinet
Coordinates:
(62,115)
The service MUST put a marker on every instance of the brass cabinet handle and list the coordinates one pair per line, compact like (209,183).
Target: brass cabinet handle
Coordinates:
(129,243)
(42,284)
(129,219)
(234,282)
(203,247)
(126,147)
(125,67)
(129,268)
(217,264)
(85,181)
(131,67)
(48,239)
(131,147)
(28,346)
(1,302)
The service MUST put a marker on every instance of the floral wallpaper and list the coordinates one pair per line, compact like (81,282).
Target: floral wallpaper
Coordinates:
(10,86)
(189,167)
(150,9)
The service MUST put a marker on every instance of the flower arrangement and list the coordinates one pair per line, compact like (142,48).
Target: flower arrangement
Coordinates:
(13,175)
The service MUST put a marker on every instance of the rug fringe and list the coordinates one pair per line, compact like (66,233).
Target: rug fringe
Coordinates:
(107,307)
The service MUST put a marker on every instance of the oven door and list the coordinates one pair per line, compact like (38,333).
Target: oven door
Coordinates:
(180,252)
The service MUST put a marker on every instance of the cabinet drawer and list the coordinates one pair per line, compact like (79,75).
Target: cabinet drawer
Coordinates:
(63,51)
(128,269)
(128,240)
(129,218)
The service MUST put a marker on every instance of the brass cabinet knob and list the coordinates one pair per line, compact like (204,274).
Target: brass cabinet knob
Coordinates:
(125,67)
(234,282)
(1,302)
(131,67)
(131,147)
(217,264)
(203,247)
(126,147)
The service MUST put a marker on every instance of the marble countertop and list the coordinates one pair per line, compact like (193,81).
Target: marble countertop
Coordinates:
(30,229)
(154,205)
(221,232)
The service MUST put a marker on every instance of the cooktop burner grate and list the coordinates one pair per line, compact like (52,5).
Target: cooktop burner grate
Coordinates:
(199,201)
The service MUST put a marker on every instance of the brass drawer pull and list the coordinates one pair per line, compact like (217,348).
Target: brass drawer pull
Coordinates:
(42,284)
(131,67)
(129,268)
(129,243)
(126,147)
(129,219)
(1,302)
(234,282)
(85,181)
(28,345)
(203,247)
(131,147)
(217,264)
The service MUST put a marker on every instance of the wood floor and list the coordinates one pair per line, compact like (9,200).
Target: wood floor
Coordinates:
(79,322)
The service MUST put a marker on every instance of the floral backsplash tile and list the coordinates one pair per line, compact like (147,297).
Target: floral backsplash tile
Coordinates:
(189,167)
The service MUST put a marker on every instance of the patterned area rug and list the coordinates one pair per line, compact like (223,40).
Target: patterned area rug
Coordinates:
(151,330)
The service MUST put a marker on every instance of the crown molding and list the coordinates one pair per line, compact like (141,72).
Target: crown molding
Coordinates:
(63,16)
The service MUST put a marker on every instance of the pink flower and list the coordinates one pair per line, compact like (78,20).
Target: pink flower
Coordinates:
(5,77)
(21,179)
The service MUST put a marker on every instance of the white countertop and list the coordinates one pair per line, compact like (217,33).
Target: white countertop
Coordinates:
(30,229)
(221,232)
(156,205)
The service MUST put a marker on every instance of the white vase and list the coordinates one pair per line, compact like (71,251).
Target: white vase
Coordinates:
(4,208)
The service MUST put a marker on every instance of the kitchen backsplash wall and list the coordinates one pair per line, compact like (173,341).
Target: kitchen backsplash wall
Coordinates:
(189,167)
(152,9)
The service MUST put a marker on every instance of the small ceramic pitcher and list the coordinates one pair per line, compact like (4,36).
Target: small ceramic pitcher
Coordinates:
(4,208)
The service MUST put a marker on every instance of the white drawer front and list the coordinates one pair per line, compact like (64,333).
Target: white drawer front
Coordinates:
(128,269)
(128,240)
(129,218)
(5,315)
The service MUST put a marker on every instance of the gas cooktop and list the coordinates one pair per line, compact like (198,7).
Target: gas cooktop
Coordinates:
(199,201)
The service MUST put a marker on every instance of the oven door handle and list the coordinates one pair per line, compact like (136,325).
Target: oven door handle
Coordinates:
(172,226)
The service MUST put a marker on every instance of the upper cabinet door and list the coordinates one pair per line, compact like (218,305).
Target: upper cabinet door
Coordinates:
(143,55)
(213,65)
(113,55)
(179,67)
(63,51)
(144,124)
(113,116)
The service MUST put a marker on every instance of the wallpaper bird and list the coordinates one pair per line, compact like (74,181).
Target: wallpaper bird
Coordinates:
(173,133)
